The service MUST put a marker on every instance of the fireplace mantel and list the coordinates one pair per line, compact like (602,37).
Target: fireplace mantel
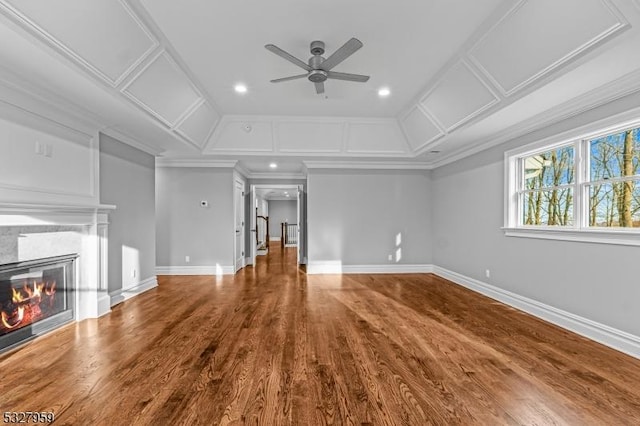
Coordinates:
(16,214)
(90,222)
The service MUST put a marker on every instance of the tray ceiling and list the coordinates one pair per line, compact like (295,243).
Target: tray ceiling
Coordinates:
(462,74)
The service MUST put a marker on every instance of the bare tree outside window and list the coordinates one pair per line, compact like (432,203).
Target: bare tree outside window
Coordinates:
(609,183)
(548,187)
(614,190)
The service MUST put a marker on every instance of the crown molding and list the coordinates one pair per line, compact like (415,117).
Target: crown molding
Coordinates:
(368,165)
(244,172)
(195,162)
(267,175)
(624,86)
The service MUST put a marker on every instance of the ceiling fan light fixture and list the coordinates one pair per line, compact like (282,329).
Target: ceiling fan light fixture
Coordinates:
(383,92)
(273,165)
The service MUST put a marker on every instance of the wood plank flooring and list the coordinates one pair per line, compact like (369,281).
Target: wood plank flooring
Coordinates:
(272,346)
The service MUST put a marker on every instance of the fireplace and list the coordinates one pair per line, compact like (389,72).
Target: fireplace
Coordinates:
(35,296)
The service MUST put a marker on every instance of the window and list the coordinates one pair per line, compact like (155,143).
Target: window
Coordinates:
(584,188)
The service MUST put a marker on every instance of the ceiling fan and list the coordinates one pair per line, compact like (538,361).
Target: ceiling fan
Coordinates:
(319,69)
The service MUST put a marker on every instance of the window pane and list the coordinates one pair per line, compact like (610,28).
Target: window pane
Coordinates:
(549,208)
(615,156)
(549,169)
(615,204)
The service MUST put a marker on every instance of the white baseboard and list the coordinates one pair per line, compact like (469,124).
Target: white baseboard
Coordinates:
(338,268)
(275,238)
(248,261)
(104,304)
(609,336)
(291,245)
(121,295)
(196,270)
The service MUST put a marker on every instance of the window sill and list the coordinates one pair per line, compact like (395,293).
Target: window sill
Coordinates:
(610,236)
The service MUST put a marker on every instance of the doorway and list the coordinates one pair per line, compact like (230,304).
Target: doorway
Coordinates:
(277,221)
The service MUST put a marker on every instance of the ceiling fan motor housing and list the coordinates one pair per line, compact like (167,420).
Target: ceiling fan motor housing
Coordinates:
(317,47)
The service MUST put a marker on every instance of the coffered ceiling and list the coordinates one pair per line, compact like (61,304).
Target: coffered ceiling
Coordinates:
(463,75)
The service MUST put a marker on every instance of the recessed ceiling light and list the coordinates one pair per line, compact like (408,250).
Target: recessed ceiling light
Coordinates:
(273,165)
(240,88)
(384,92)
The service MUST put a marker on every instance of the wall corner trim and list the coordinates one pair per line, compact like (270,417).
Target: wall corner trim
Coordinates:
(608,336)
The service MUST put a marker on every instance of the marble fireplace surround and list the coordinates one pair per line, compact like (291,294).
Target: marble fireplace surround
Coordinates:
(31,231)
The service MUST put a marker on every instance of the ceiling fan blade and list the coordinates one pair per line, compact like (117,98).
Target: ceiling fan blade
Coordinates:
(319,88)
(347,49)
(348,77)
(293,77)
(289,57)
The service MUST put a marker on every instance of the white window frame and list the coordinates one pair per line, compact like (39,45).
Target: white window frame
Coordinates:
(580,231)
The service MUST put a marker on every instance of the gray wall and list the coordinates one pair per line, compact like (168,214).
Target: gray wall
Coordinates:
(597,281)
(127,179)
(183,227)
(354,217)
(281,211)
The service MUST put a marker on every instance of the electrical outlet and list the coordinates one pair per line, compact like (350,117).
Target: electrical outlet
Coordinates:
(187,259)
(390,258)
(487,273)
(48,150)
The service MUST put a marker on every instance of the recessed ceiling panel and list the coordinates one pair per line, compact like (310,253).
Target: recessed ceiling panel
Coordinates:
(536,37)
(375,138)
(163,89)
(197,126)
(222,43)
(103,35)
(243,136)
(309,136)
(419,129)
(458,96)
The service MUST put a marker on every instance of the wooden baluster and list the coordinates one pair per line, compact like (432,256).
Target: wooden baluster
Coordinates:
(283,234)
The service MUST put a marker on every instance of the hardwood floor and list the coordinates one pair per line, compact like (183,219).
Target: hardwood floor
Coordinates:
(272,346)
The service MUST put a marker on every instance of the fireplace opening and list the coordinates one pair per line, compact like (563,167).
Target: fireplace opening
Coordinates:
(36,296)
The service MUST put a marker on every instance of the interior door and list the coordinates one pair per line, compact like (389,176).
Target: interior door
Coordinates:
(254,225)
(239,224)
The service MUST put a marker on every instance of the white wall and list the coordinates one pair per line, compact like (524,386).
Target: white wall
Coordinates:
(127,180)
(595,281)
(355,217)
(184,228)
(281,211)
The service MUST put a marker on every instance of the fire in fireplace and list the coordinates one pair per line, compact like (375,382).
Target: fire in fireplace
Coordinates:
(35,296)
